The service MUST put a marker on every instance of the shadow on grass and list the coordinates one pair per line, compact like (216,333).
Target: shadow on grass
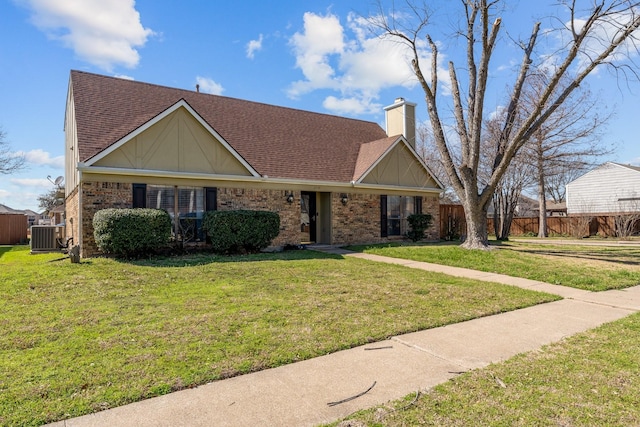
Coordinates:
(4,250)
(202,258)
(628,257)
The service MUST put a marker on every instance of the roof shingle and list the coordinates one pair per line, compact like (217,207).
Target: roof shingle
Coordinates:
(276,141)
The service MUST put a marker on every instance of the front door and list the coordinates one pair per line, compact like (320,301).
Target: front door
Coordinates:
(308,217)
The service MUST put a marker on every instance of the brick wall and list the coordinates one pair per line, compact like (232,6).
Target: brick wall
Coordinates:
(266,200)
(358,221)
(97,196)
(71,216)
(431,204)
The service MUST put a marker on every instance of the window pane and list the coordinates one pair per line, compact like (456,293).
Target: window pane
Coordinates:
(160,197)
(398,209)
(408,208)
(394,215)
(191,212)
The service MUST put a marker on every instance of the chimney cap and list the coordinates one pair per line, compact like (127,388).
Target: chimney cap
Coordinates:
(399,102)
(197,88)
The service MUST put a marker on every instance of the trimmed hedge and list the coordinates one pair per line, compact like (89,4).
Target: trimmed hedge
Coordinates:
(241,231)
(131,233)
(418,224)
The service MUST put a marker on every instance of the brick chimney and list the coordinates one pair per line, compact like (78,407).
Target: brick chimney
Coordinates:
(401,120)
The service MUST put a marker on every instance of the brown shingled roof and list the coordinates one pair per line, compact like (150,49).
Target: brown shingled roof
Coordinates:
(370,152)
(276,141)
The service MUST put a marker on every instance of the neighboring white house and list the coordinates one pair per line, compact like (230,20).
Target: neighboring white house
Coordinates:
(609,188)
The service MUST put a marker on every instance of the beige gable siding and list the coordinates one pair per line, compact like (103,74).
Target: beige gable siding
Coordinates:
(400,168)
(71,146)
(177,143)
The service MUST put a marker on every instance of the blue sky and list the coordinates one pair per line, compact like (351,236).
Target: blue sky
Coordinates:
(312,55)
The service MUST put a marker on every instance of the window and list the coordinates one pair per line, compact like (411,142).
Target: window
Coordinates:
(185,205)
(394,211)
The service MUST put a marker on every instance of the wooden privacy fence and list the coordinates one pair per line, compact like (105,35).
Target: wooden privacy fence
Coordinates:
(575,226)
(453,224)
(13,229)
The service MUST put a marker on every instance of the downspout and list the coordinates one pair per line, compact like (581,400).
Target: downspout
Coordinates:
(80,208)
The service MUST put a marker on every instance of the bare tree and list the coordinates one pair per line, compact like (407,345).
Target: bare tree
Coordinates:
(602,35)
(51,199)
(427,150)
(9,162)
(568,140)
(508,195)
(556,182)
(627,219)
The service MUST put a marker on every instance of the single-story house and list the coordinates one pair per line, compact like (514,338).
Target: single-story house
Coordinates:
(609,189)
(333,180)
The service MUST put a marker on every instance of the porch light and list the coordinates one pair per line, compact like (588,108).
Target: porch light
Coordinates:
(290,198)
(344,199)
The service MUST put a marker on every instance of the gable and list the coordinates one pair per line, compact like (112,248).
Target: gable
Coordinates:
(270,141)
(400,167)
(177,142)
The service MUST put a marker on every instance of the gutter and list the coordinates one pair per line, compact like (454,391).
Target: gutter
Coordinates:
(82,167)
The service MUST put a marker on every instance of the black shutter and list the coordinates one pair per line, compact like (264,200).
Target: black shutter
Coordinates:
(210,199)
(383,216)
(139,195)
(418,204)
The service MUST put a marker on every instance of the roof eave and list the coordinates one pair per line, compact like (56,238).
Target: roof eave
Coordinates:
(105,170)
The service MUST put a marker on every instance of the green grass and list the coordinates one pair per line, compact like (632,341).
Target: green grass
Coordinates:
(590,379)
(78,338)
(584,267)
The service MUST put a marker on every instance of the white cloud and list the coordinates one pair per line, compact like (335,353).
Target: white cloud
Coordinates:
(322,37)
(105,33)
(254,46)
(124,77)
(603,33)
(42,158)
(351,105)
(31,182)
(207,85)
(353,63)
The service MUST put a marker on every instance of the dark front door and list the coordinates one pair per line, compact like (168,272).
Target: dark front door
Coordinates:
(308,216)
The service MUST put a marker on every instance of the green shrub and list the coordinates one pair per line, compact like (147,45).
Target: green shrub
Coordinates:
(241,231)
(131,233)
(418,224)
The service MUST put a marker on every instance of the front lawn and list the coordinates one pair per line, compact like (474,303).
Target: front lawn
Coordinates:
(592,268)
(79,338)
(589,379)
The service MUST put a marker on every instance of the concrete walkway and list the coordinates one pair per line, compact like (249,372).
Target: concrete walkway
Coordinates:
(322,390)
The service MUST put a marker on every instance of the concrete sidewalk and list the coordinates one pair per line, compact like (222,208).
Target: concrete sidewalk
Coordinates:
(317,391)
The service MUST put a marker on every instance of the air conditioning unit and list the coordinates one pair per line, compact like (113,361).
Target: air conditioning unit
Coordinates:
(45,238)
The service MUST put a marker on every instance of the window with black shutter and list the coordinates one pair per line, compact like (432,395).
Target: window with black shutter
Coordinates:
(394,211)
(383,216)
(210,199)
(139,195)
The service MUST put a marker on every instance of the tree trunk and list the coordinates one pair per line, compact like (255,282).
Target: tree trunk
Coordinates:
(476,217)
(542,201)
